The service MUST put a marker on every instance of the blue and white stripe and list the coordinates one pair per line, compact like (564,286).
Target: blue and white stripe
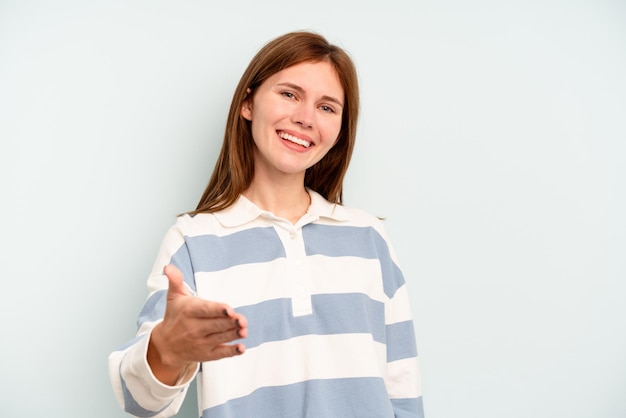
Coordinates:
(330,328)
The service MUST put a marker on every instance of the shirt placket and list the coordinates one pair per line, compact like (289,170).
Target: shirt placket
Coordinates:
(299,277)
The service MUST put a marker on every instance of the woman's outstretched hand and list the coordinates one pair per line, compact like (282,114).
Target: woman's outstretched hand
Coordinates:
(193,330)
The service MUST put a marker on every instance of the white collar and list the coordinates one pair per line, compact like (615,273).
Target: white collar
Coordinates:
(244,211)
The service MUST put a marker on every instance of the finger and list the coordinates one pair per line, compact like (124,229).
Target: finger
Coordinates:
(240,320)
(228,336)
(223,329)
(227,350)
(176,281)
(209,309)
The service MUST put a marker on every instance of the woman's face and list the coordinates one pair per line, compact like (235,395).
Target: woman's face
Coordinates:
(295,118)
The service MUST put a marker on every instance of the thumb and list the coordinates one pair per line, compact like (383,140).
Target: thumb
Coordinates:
(176,282)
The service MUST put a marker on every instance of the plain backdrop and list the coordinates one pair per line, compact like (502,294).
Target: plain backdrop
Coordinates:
(492,139)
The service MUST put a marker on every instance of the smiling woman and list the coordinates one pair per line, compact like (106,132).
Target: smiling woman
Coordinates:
(278,299)
(295,117)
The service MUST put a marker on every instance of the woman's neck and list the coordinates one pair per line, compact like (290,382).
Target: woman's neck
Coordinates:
(287,199)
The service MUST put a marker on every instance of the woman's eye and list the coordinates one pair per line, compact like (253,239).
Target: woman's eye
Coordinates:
(288,94)
(327,109)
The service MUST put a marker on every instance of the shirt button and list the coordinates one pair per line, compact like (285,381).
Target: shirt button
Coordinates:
(292,235)
(298,262)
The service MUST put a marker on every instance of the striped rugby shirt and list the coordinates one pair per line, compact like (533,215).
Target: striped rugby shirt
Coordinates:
(330,332)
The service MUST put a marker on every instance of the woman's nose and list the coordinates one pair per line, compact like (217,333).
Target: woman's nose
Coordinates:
(304,115)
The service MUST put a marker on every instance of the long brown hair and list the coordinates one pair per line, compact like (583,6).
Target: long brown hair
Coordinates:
(234,169)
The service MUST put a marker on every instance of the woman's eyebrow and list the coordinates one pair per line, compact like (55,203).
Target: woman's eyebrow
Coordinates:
(301,91)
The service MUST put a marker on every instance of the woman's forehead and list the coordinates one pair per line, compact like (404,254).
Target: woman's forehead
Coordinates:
(312,77)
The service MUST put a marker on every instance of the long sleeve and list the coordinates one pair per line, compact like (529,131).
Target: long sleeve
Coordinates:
(137,390)
(402,378)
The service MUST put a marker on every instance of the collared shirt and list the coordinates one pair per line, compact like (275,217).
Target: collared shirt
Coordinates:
(330,332)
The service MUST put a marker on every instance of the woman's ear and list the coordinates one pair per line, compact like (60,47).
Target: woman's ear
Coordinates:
(246,106)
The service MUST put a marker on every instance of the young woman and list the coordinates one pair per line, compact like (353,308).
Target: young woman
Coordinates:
(278,299)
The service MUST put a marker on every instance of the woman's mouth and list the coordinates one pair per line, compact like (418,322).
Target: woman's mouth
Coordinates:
(294,139)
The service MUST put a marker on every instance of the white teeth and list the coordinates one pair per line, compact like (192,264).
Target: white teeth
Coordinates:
(294,139)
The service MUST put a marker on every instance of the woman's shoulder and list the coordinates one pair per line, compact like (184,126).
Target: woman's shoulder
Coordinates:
(341,213)
(359,216)
(236,217)
(196,224)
